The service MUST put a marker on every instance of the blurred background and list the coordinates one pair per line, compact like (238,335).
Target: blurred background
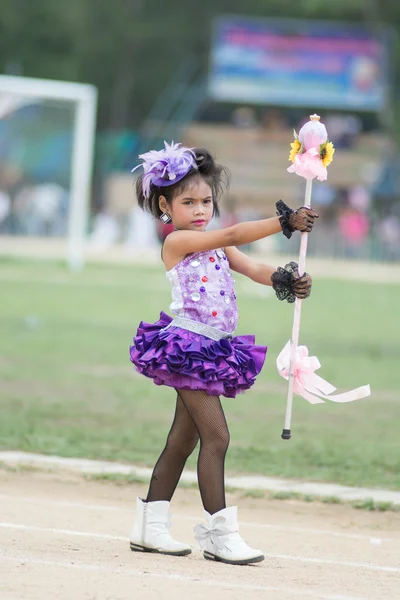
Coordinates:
(234,77)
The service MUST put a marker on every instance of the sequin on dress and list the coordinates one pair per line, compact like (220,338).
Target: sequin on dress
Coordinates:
(202,291)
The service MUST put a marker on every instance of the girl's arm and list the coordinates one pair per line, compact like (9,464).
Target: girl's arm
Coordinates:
(287,283)
(180,243)
(241,263)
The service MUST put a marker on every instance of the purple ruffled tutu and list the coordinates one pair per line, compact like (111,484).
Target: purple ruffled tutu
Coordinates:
(185,360)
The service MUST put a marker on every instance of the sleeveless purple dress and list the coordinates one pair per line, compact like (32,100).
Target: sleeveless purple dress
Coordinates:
(196,350)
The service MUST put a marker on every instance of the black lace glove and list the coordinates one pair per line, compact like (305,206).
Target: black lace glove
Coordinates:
(288,284)
(301,219)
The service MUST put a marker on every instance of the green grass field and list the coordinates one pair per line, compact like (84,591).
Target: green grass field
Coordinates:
(67,386)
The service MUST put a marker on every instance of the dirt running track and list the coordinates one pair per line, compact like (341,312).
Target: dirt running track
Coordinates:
(63,538)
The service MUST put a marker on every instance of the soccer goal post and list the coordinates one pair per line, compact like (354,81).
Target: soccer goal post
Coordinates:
(17,92)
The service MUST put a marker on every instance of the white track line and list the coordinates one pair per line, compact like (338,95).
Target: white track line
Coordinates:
(180,578)
(102,507)
(367,566)
(105,536)
(64,503)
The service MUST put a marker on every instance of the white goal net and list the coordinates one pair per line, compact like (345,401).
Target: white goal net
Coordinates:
(47,131)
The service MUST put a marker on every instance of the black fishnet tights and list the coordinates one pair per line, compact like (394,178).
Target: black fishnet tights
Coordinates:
(197,415)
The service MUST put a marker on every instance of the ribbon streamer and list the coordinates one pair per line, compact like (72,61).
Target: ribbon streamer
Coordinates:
(307,383)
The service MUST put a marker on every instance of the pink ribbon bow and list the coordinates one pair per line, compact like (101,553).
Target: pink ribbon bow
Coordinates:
(308,384)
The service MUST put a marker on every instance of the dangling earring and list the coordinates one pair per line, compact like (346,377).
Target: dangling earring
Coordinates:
(165,218)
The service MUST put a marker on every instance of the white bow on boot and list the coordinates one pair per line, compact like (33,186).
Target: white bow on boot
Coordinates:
(151,530)
(221,541)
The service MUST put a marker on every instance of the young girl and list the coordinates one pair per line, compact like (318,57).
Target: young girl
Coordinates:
(196,352)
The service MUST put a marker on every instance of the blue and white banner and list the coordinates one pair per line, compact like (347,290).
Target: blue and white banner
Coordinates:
(299,63)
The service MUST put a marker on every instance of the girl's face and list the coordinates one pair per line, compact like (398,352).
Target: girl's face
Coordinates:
(191,209)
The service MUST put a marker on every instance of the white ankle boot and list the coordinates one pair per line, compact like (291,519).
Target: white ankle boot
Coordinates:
(151,530)
(221,541)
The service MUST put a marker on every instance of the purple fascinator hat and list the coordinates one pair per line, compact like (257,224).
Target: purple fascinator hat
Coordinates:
(166,167)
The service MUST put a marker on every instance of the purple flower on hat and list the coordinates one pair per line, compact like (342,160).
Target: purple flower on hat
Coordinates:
(166,167)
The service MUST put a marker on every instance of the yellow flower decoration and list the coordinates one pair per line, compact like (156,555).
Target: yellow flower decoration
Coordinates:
(326,153)
(296,147)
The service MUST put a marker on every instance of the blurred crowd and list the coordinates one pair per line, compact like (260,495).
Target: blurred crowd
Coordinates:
(359,221)
(352,226)
(31,207)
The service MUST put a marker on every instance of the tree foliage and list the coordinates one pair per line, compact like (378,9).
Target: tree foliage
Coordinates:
(130,49)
